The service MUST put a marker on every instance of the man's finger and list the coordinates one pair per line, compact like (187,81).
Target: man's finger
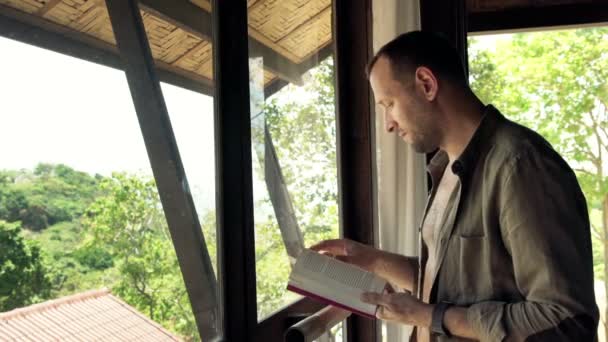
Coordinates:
(335,247)
(381,313)
(344,258)
(385,313)
(375,298)
(389,288)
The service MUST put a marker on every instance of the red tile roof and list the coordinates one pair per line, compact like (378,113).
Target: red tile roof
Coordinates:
(88,316)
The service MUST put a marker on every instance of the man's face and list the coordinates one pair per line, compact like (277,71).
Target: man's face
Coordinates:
(405,109)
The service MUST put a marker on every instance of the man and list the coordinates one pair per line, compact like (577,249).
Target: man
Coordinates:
(505,247)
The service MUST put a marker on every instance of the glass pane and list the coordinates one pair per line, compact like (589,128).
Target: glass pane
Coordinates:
(181,50)
(293,138)
(78,199)
(555,83)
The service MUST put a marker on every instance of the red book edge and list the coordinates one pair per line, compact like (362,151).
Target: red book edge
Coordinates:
(327,301)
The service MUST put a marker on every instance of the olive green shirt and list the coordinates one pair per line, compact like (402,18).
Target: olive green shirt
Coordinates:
(515,247)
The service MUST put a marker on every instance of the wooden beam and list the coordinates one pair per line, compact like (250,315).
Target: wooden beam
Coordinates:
(42,33)
(353,41)
(178,205)
(311,61)
(204,4)
(183,14)
(274,86)
(527,18)
(184,79)
(258,36)
(31,29)
(47,7)
(193,19)
(316,57)
(36,31)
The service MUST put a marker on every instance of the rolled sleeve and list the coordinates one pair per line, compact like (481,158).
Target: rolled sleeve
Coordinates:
(545,228)
(486,320)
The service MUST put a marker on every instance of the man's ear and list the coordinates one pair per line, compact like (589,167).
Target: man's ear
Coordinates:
(427,83)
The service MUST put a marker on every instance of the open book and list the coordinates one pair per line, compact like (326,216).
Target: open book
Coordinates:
(334,282)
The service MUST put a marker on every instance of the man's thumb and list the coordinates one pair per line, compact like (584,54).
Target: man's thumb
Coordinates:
(345,258)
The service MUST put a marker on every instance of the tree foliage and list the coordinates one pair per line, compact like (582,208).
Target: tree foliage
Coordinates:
(555,83)
(23,278)
(111,231)
(128,223)
(48,195)
(97,231)
(121,242)
(302,124)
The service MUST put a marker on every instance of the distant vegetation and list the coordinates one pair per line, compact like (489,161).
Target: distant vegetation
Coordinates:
(63,231)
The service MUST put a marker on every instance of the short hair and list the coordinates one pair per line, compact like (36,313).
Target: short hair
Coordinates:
(417,48)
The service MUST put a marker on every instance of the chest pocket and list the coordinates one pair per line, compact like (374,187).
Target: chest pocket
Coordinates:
(465,277)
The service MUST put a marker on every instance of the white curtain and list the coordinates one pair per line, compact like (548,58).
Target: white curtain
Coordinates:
(401,182)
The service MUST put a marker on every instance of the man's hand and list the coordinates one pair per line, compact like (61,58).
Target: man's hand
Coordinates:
(397,269)
(407,309)
(351,252)
(400,307)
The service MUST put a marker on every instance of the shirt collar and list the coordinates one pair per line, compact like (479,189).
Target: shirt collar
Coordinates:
(468,159)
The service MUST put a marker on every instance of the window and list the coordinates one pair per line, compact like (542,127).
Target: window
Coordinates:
(116,183)
(78,184)
(293,129)
(553,82)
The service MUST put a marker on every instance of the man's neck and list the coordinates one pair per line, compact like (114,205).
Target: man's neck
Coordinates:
(463,114)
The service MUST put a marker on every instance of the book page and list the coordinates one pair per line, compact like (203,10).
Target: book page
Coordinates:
(341,272)
(336,281)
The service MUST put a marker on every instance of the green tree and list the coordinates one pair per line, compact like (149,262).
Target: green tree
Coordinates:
(555,83)
(12,202)
(126,244)
(128,222)
(48,195)
(23,278)
(302,123)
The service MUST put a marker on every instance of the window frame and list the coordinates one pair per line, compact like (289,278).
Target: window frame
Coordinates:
(228,24)
(355,141)
(178,206)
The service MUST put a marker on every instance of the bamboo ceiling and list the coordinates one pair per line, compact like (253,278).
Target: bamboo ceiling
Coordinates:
(293,29)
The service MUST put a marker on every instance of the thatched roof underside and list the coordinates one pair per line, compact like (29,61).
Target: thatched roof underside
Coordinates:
(293,29)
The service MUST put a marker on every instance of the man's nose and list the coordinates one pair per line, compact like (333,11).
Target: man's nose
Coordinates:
(389,124)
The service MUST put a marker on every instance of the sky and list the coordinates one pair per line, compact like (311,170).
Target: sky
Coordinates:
(59,109)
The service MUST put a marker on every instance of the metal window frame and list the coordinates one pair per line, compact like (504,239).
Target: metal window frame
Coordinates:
(234,197)
(451,22)
(184,227)
(356,139)
(352,46)
(538,18)
(28,29)
(237,310)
